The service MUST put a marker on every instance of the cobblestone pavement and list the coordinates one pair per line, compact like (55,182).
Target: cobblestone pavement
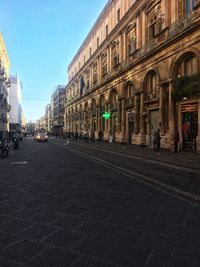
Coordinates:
(61,208)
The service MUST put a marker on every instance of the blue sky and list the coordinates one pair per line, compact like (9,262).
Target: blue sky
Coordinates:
(41,39)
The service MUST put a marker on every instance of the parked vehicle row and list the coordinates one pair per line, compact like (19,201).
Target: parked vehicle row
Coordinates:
(5,147)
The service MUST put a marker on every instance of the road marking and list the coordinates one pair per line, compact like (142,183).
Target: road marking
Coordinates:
(19,163)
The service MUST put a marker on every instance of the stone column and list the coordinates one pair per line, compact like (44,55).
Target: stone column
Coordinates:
(98,119)
(142,122)
(138,31)
(109,58)
(171,116)
(108,121)
(123,120)
(137,113)
(119,115)
(161,111)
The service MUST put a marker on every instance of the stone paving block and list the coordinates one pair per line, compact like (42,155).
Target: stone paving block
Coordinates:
(5,240)
(14,226)
(172,216)
(8,263)
(6,209)
(37,231)
(53,258)
(46,217)
(129,257)
(188,250)
(159,259)
(85,261)
(23,251)
(69,222)
(191,234)
(150,226)
(157,242)
(64,238)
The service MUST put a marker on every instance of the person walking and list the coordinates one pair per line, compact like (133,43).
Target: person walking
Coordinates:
(92,136)
(176,140)
(156,142)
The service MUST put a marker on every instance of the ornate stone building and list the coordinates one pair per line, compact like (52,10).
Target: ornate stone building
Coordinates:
(141,63)
(4,86)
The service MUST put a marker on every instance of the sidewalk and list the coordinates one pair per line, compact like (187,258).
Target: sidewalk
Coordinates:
(186,159)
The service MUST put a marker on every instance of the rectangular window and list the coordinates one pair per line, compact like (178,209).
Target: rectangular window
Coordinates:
(118,15)
(97,42)
(106,30)
(90,51)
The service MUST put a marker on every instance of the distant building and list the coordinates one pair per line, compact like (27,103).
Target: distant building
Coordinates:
(58,104)
(30,127)
(4,87)
(48,118)
(15,120)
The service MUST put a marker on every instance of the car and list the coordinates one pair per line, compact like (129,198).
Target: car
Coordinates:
(41,137)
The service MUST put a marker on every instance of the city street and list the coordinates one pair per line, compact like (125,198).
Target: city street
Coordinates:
(98,205)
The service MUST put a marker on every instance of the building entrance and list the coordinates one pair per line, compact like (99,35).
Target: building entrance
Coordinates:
(189,129)
(153,124)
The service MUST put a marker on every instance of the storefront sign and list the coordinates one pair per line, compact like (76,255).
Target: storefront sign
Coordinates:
(189,107)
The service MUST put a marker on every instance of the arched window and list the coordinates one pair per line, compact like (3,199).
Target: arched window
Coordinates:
(151,86)
(188,66)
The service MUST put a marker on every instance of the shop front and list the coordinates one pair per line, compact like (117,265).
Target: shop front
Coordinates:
(189,118)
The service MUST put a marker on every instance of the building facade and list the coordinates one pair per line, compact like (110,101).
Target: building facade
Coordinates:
(140,63)
(15,94)
(48,118)
(58,105)
(4,87)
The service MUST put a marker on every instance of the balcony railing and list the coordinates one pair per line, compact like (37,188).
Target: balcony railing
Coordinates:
(183,23)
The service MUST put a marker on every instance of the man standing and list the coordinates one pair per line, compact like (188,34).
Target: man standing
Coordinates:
(176,140)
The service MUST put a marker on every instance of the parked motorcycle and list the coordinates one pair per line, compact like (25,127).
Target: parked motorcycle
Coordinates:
(15,142)
(4,148)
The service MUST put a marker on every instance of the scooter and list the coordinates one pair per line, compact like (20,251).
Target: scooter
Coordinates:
(4,148)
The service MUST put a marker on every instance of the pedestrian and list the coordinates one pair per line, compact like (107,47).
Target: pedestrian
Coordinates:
(176,140)
(156,142)
(100,136)
(76,136)
(92,136)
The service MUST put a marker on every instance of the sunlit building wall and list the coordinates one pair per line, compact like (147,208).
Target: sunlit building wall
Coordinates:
(15,94)
(140,63)
(4,87)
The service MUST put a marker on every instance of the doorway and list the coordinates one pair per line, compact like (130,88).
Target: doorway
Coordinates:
(189,130)
(153,124)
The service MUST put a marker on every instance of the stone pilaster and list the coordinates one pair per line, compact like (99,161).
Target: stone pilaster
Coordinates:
(161,111)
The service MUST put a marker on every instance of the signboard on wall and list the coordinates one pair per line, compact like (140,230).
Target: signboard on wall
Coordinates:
(189,107)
